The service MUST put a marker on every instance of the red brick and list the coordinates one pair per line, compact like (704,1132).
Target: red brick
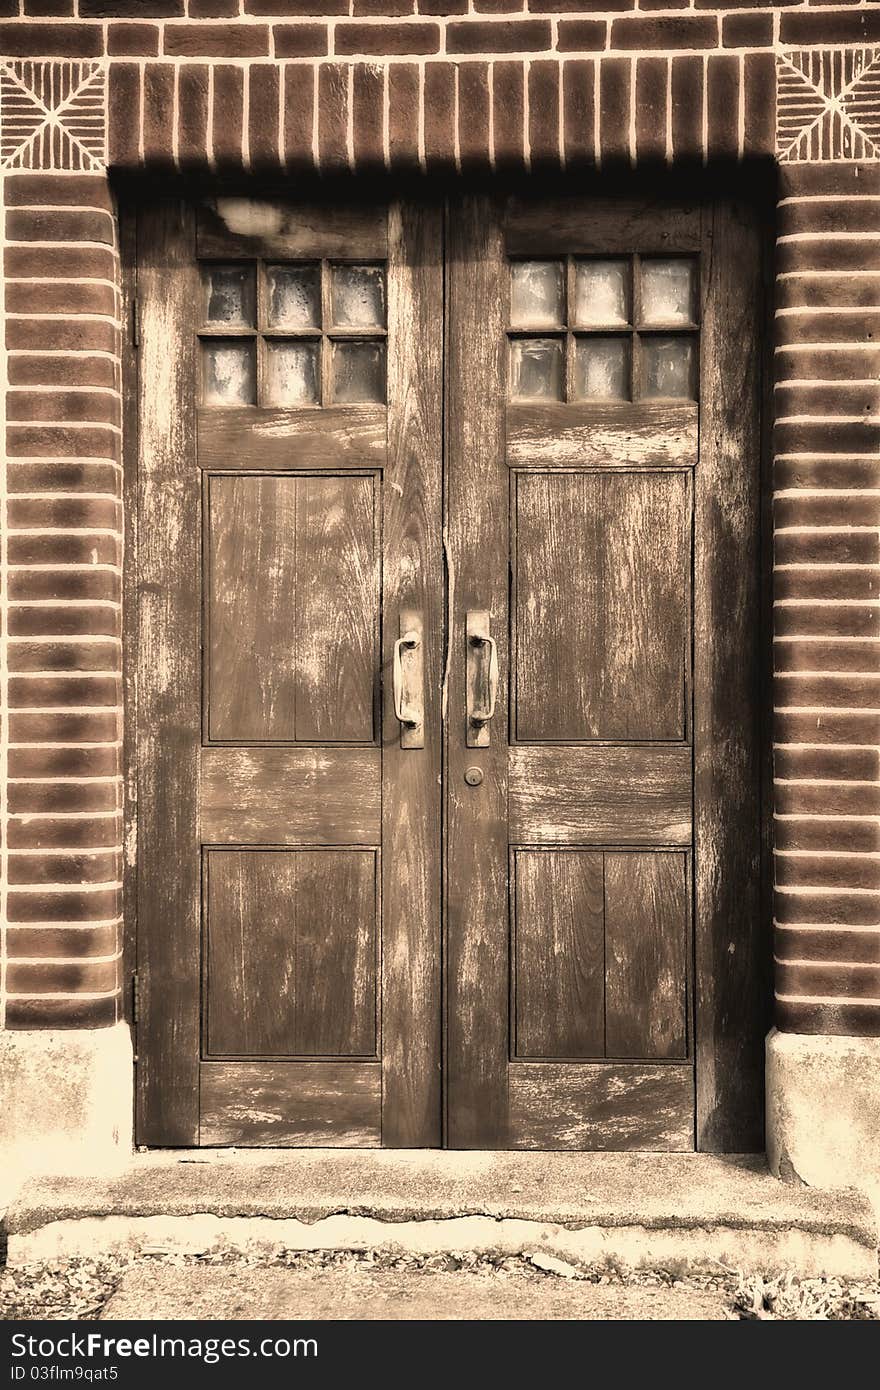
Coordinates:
(747,30)
(614,104)
(34,869)
(759,81)
(508,106)
(674,31)
(63,475)
(368,88)
(47,7)
(473,115)
(134,9)
(301,40)
(216,40)
(687,108)
(64,762)
(509,36)
(47,978)
(35,585)
(63,726)
(123,121)
(264,130)
(298,102)
(828,764)
(81,190)
(289,7)
(59,297)
(47,833)
(578,86)
(651,74)
(382,8)
(212,9)
(543,85)
(582,35)
(227,117)
(443,7)
(21,262)
(62,1013)
(439,115)
(65,905)
(63,941)
(498,6)
(158,130)
(385,39)
(26,404)
(830,945)
(844,1019)
(833,27)
(133,40)
(51,40)
(403,117)
(192,125)
(333,117)
(24,224)
(722,102)
(63,798)
(48,334)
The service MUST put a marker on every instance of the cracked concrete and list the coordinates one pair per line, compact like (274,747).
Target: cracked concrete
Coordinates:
(682,1211)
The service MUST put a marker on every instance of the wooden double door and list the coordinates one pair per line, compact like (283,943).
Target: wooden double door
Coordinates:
(448,667)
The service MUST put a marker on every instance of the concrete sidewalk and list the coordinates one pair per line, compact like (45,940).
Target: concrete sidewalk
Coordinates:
(358,1292)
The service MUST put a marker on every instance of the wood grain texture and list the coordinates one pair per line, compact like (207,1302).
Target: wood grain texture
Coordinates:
(601,1105)
(602,575)
(291,946)
(169,712)
(291,609)
(603,436)
(647,939)
(559,961)
(477,946)
(337,610)
(413,582)
(601,795)
(350,436)
(571,224)
(291,1104)
(284,796)
(732,919)
(238,227)
(250,607)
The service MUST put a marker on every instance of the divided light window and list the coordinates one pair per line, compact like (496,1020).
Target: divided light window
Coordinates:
(604,329)
(298,333)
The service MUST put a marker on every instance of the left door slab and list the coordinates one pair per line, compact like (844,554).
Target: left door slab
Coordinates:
(288,494)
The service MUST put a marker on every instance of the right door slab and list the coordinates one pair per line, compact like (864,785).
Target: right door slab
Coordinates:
(605,938)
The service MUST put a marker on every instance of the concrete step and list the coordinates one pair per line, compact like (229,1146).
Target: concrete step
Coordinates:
(685,1213)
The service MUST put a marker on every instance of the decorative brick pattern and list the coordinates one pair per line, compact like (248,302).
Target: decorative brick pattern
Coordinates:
(52,116)
(829,105)
(468,86)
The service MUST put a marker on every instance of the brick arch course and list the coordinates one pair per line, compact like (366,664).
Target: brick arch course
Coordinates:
(90,88)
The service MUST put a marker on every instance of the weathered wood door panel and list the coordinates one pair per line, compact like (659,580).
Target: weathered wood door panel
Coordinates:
(532,762)
(290,487)
(603,512)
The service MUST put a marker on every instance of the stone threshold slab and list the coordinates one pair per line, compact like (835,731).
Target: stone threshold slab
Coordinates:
(685,1211)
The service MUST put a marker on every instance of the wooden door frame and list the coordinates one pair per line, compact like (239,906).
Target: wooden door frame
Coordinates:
(715,1133)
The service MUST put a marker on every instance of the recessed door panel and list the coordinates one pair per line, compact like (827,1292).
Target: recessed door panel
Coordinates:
(291,608)
(602,606)
(291,942)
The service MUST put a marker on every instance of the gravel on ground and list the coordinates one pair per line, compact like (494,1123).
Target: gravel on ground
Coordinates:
(78,1289)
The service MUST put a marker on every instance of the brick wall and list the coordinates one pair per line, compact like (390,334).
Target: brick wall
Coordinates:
(366,86)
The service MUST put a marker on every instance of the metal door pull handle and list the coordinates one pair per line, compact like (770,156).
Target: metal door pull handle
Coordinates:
(482,678)
(408,680)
